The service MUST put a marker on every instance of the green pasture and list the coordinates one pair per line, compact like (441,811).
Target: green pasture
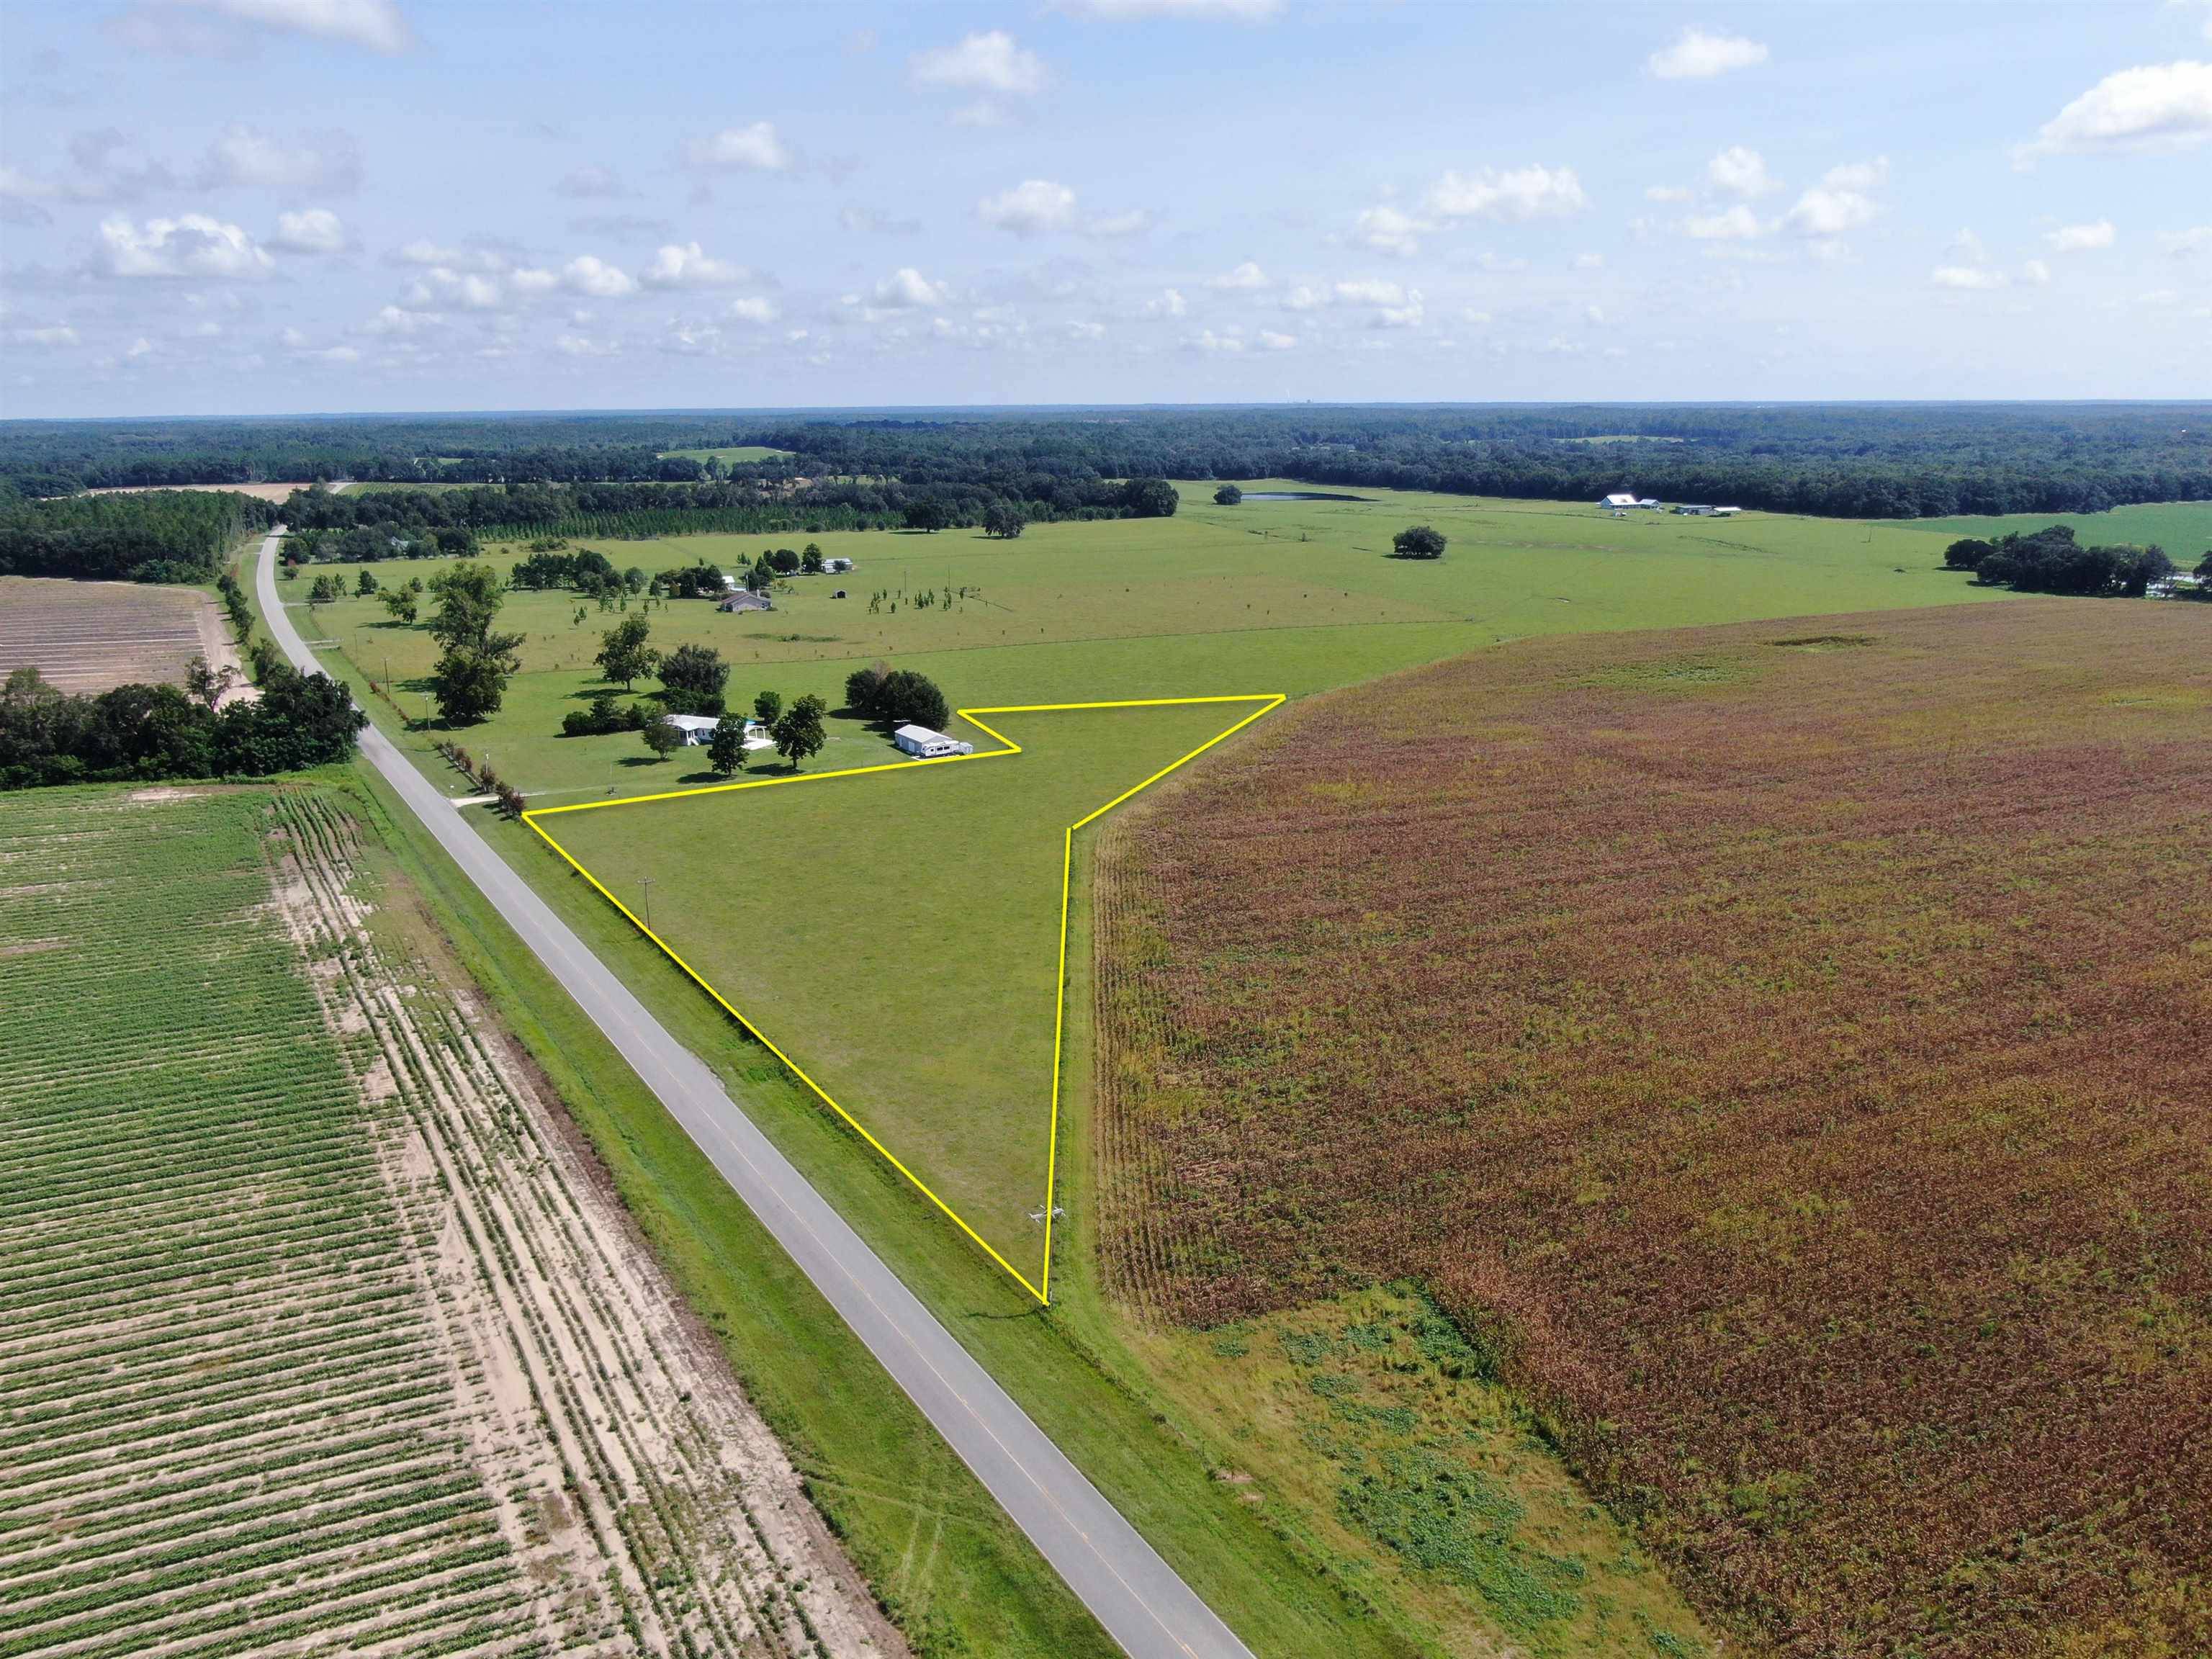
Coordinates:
(2182,528)
(897,933)
(1290,596)
(726,454)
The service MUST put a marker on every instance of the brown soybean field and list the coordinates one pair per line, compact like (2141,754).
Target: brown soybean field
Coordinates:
(318,1333)
(1784,1051)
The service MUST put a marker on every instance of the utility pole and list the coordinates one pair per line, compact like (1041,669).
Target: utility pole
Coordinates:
(648,904)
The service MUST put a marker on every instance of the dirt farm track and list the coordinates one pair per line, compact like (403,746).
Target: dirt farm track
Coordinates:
(90,636)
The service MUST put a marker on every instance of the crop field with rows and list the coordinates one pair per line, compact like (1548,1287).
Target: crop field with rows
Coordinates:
(316,1336)
(1781,1051)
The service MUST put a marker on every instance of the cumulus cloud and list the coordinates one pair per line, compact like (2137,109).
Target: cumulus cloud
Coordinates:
(2035,272)
(1668,194)
(1271,340)
(189,245)
(105,166)
(580,345)
(1080,330)
(471,290)
(908,289)
(988,61)
(588,274)
(1741,172)
(1170,303)
(58,338)
(1523,193)
(1113,227)
(753,308)
(1841,201)
(2157,106)
(1387,229)
(1733,224)
(689,265)
(310,230)
(1028,209)
(1305,298)
(1698,56)
(399,320)
(245,158)
(2076,239)
(1370,291)
(1228,344)
(376,25)
(1246,276)
(754,148)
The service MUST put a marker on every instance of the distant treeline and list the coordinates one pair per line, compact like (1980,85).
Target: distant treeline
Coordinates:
(738,507)
(162,536)
(149,732)
(1841,459)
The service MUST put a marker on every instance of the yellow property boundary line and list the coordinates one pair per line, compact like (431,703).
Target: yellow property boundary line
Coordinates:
(1268,701)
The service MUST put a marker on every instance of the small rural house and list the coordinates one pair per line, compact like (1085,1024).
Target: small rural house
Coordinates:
(838,566)
(1648,503)
(921,741)
(1695,511)
(745,599)
(698,730)
(1618,499)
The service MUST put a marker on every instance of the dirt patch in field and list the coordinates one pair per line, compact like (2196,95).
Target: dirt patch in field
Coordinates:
(87,637)
(260,492)
(1788,1067)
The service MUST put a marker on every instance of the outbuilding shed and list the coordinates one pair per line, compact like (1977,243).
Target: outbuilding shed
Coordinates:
(921,741)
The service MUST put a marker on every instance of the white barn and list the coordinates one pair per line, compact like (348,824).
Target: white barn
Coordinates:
(1618,499)
(920,740)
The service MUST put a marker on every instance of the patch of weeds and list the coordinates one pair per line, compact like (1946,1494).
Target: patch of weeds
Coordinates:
(1444,1518)
(1824,641)
(1231,1344)
(1371,1339)
(1307,1348)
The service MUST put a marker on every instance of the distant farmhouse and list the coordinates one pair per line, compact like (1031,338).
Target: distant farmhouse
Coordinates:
(1620,500)
(837,566)
(698,730)
(743,600)
(920,740)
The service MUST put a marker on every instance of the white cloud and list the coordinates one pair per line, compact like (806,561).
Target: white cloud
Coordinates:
(908,289)
(1529,192)
(141,347)
(1840,202)
(310,230)
(2155,107)
(1228,344)
(375,24)
(1968,246)
(1388,230)
(1246,276)
(395,319)
(1667,194)
(471,290)
(1170,304)
(1741,172)
(2076,239)
(2197,239)
(1976,277)
(2035,273)
(1083,331)
(689,265)
(1371,291)
(1696,55)
(1034,206)
(1304,298)
(754,148)
(1737,223)
(1273,342)
(1590,262)
(245,158)
(579,345)
(588,274)
(990,61)
(190,244)
(1407,315)
(753,308)
(58,338)
(1242,11)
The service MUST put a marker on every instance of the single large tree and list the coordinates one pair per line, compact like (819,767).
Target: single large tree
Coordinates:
(469,597)
(1004,520)
(1228,495)
(623,654)
(661,737)
(767,707)
(1149,498)
(471,678)
(1419,542)
(799,733)
(928,513)
(725,750)
(692,679)
(907,698)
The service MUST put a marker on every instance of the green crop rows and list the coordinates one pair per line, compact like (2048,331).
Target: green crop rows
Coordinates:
(224,1423)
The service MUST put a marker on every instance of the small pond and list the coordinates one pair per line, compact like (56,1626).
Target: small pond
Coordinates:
(1299,495)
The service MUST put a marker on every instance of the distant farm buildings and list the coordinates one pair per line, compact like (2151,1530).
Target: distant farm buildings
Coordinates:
(837,566)
(1703,512)
(743,600)
(921,741)
(1621,502)
(698,730)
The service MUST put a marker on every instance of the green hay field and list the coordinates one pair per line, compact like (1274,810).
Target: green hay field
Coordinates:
(727,453)
(2183,529)
(897,933)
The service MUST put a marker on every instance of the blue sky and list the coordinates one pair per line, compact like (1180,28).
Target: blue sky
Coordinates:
(238,206)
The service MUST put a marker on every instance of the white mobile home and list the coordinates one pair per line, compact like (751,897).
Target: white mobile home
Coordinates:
(698,730)
(921,741)
(1696,511)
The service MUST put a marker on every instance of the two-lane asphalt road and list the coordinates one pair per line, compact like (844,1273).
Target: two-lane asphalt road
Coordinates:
(1140,1600)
